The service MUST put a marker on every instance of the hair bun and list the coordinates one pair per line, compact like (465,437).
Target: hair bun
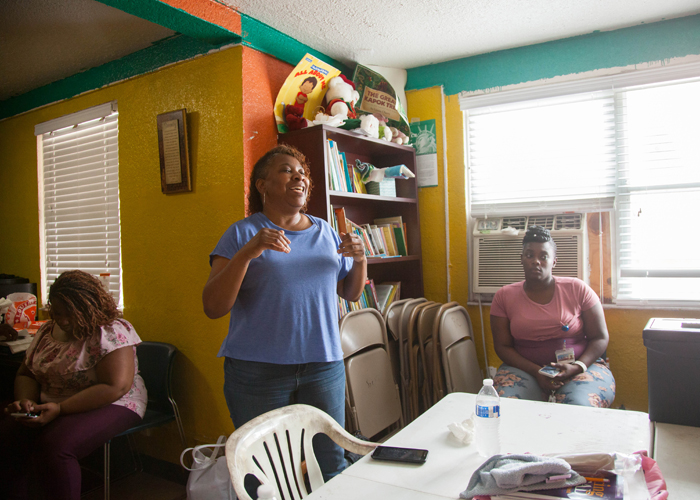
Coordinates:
(537,234)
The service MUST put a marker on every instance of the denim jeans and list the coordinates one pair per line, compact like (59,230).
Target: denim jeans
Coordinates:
(252,388)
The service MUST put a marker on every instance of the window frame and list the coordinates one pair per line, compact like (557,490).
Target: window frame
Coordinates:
(615,83)
(107,111)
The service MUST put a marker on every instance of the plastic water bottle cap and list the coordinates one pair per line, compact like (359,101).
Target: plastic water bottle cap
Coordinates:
(488,381)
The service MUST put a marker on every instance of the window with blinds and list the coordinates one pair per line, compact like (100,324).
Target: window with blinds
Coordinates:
(79,196)
(522,155)
(629,144)
(658,135)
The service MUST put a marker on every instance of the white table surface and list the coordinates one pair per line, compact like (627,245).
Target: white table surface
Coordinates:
(526,426)
(677,451)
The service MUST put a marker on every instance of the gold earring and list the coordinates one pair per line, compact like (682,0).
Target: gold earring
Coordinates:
(263,199)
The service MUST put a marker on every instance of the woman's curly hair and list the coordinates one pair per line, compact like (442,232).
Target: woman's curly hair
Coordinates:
(88,304)
(538,234)
(255,202)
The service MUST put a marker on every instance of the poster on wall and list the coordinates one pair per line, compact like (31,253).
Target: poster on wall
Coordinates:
(424,139)
(378,98)
(300,97)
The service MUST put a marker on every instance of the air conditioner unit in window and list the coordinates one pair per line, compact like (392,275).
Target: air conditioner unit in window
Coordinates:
(498,245)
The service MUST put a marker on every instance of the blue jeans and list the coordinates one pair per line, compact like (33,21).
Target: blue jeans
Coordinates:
(252,388)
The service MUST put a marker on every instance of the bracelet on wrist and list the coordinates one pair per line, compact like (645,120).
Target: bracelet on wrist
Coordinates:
(582,365)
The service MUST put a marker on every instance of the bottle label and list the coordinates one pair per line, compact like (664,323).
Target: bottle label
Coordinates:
(488,411)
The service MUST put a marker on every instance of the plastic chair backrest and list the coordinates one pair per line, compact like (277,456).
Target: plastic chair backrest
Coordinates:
(155,367)
(270,447)
(460,363)
(371,391)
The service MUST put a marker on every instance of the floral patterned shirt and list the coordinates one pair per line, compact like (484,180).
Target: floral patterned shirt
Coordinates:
(66,368)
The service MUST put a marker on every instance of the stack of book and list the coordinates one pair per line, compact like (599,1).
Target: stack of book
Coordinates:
(375,296)
(342,176)
(605,486)
(385,238)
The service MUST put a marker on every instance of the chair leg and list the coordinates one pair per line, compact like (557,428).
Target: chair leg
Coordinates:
(106,467)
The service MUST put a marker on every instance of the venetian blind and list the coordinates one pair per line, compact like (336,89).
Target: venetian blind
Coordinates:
(659,192)
(79,196)
(541,156)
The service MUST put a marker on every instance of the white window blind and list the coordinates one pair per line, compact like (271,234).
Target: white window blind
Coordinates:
(542,156)
(79,196)
(659,193)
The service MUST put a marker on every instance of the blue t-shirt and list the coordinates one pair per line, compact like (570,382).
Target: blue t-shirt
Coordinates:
(287,308)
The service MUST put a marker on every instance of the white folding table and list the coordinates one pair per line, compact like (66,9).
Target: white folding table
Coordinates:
(526,427)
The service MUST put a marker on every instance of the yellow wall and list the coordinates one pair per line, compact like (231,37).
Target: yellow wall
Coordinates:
(626,351)
(166,239)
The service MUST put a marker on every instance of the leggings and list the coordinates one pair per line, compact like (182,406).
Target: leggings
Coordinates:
(55,449)
(595,387)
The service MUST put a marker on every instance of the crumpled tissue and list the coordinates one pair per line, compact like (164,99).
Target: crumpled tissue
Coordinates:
(465,431)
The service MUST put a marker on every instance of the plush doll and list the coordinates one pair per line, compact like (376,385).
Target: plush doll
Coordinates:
(370,173)
(369,126)
(341,97)
(398,137)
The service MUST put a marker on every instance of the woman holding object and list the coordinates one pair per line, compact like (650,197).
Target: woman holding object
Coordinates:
(277,273)
(544,320)
(80,378)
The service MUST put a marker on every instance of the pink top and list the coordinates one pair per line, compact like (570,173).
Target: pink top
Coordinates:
(66,368)
(537,328)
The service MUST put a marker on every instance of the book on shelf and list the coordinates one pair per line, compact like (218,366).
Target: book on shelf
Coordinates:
(604,486)
(357,181)
(388,234)
(367,300)
(342,176)
(387,292)
(399,232)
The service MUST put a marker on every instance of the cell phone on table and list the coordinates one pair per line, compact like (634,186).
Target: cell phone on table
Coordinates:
(549,371)
(24,415)
(404,455)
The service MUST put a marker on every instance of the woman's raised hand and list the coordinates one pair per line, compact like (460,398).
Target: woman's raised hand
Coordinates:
(351,246)
(266,239)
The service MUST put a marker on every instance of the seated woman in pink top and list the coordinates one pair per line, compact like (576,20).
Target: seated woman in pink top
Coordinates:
(533,319)
(80,377)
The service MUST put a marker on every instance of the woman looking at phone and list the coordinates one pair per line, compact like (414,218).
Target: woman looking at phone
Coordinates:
(533,319)
(80,377)
(277,272)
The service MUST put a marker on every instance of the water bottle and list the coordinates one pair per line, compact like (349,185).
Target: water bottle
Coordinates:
(266,492)
(488,413)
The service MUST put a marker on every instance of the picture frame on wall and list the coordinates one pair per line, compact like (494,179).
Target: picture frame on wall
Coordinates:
(174,152)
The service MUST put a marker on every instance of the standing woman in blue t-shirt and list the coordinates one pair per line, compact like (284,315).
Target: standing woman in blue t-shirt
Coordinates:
(278,272)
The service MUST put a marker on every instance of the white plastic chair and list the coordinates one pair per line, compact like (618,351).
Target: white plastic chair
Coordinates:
(270,447)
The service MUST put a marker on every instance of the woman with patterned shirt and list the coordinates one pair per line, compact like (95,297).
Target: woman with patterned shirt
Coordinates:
(80,376)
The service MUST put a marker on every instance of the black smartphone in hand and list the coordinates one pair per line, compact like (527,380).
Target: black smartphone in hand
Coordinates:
(404,455)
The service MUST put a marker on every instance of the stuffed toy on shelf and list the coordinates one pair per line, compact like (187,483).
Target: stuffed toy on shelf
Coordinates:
(370,173)
(338,103)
